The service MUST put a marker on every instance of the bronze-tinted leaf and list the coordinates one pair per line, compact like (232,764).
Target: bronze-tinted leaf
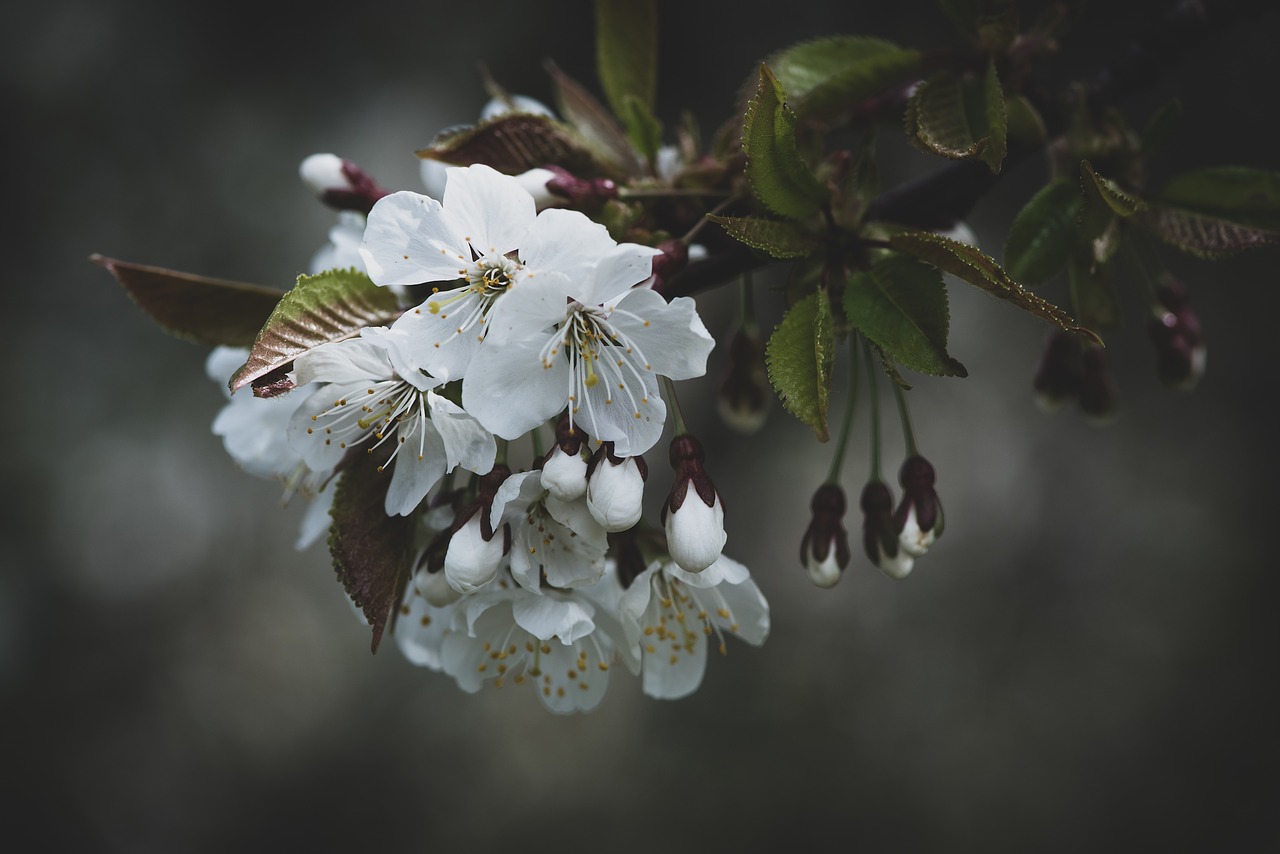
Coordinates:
(596,126)
(196,308)
(515,143)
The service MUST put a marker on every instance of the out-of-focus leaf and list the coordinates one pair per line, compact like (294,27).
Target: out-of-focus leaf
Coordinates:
(1160,127)
(778,238)
(959,118)
(827,77)
(515,143)
(780,178)
(1043,232)
(329,306)
(1203,236)
(1092,293)
(1112,194)
(1025,124)
(997,29)
(595,125)
(370,550)
(627,52)
(195,308)
(1246,196)
(973,266)
(799,356)
(900,304)
(643,129)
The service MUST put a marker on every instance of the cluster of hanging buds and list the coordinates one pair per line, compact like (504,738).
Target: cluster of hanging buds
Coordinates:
(1179,342)
(1073,369)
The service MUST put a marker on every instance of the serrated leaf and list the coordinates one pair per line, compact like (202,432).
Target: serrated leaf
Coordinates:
(330,306)
(1043,233)
(514,143)
(1092,293)
(627,52)
(370,550)
(900,304)
(826,77)
(195,308)
(594,124)
(973,266)
(959,118)
(1236,193)
(1121,202)
(799,356)
(1203,236)
(778,238)
(780,178)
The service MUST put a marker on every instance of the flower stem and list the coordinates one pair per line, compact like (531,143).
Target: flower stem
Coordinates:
(905,417)
(833,476)
(697,226)
(677,418)
(667,192)
(500,459)
(875,411)
(535,436)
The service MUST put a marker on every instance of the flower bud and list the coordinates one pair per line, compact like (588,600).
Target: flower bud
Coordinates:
(674,258)
(880,533)
(694,521)
(744,394)
(339,183)
(435,588)
(919,517)
(564,471)
(1060,372)
(495,107)
(562,187)
(1098,395)
(1179,342)
(615,489)
(824,549)
(475,551)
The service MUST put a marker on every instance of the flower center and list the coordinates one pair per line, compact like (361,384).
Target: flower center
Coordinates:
(386,408)
(491,275)
(599,354)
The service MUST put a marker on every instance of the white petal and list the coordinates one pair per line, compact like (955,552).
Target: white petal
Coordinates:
(432,341)
(615,494)
(532,306)
(472,562)
(510,391)
(565,475)
(670,673)
(671,335)
(408,241)
(548,617)
(418,467)
(634,603)
(619,271)
(222,363)
(466,443)
(513,497)
(420,631)
(351,361)
(748,612)
(633,421)
(566,242)
(573,680)
(489,210)
(725,570)
(316,520)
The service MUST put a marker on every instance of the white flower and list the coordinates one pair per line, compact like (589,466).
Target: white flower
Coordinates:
(552,540)
(672,614)
(487,235)
(564,475)
(421,625)
(361,396)
(615,491)
(594,344)
(695,532)
(472,560)
(562,642)
(342,252)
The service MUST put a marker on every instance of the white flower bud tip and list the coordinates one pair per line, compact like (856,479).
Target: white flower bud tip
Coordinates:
(323,173)
(565,475)
(695,533)
(826,572)
(615,494)
(471,561)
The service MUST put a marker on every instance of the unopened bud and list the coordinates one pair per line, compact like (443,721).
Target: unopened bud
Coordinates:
(564,470)
(475,550)
(1060,372)
(744,394)
(824,549)
(1179,342)
(340,184)
(692,514)
(1099,398)
(919,517)
(674,258)
(578,193)
(880,532)
(615,489)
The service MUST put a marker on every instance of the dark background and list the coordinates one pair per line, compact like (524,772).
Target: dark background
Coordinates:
(1085,661)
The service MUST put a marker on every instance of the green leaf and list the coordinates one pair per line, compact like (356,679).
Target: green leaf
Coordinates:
(1092,293)
(330,306)
(777,174)
(996,31)
(1203,236)
(1109,192)
(1025,124)
(644,131)
(595,125)
(900,304)
(1043,233)
(971,265)
(515,143)
(799,356)
(1236,193)
(370,550)
(195,308)
(960,118)
(627,52)
(1160,127)
(777,238)
(827,77)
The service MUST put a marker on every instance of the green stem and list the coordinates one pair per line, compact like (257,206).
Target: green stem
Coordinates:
(535,436)
(501,458)
(833,476)
(698,226)
(677,418)
(875,411)
(667,192)
(905,417)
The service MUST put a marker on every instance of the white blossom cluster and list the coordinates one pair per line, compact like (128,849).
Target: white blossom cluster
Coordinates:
(533,320)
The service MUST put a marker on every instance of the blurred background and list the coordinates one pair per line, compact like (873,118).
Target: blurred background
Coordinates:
(1086,659)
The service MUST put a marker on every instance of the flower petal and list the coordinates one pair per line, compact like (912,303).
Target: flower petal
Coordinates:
(489,210)
(431,341)
(466,443)
(408,241)
(565,241)
(548,617)
(618,272)
(419,465)
(510,390)
(671,335)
